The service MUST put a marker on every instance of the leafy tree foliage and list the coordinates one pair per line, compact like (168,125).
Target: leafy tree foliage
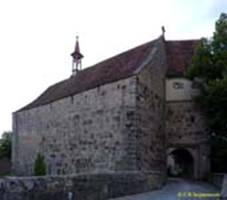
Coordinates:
(209,65)
(40,165)
(210,60)
(5,145)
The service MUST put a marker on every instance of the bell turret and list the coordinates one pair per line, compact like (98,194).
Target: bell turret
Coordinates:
(77,57)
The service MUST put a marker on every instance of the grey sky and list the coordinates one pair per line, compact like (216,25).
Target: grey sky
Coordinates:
(37,37)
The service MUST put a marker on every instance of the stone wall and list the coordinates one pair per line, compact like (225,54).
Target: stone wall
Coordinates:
(184,123)
(150,104)
(115,127)
(217,179)
(181,89)
(185,128)
(88,132)
(82,187)
(224,187)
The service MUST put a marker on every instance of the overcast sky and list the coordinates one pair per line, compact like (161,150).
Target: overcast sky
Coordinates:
(37,37)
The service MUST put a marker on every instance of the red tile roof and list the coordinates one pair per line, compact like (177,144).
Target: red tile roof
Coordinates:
(179,54)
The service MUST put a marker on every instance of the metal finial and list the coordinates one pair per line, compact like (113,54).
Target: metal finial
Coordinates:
(163,30)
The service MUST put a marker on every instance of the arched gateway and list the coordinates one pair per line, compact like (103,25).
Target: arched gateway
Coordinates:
(180,163)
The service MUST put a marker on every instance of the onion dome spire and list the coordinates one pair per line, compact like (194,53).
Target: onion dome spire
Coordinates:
(77,56)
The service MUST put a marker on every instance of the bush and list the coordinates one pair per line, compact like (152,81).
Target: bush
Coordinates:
(209,66)
(5,145)
(40,165)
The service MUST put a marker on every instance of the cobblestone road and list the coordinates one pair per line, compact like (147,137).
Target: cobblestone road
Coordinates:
(171,190)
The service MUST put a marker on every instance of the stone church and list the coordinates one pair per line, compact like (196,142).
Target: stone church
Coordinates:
(132,112)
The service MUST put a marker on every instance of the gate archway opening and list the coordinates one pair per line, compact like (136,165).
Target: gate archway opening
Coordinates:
(180,163)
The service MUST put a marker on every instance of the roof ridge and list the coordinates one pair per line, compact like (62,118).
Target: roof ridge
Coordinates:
(119,54)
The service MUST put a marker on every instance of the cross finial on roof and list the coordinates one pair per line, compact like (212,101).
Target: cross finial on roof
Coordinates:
(163,31)
(77,56)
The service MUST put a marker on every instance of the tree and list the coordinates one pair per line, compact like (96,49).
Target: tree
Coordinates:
(40,165)
(209,65)
(5,145)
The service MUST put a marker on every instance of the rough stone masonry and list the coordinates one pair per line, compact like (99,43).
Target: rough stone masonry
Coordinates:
(100,186)
(116,116)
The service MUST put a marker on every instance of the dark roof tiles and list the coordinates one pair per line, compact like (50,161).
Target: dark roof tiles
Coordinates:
(110,70)
(179,54)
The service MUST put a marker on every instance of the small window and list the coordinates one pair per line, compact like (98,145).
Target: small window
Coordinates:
(178,85)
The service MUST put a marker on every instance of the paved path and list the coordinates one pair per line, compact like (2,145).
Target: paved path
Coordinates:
(172,189)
